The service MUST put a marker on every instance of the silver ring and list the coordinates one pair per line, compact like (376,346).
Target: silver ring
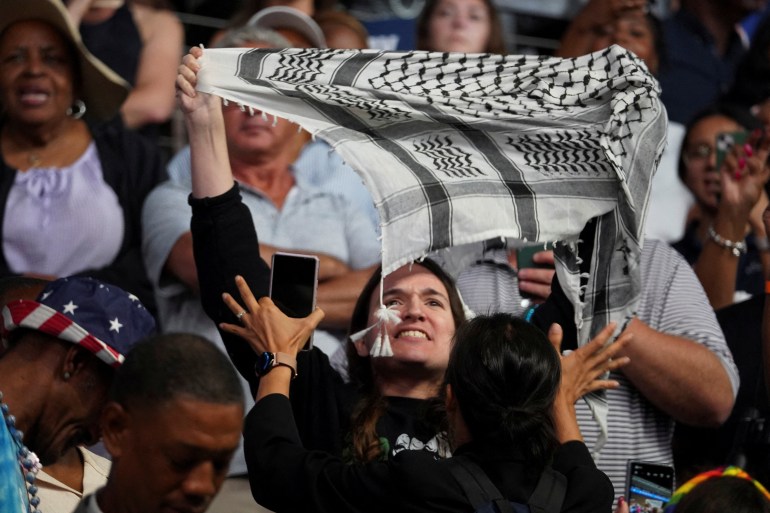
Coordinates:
(240,315)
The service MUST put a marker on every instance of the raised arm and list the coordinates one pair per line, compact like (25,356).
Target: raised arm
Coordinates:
(581,373)
(211,172)
(224,238)
(743,177)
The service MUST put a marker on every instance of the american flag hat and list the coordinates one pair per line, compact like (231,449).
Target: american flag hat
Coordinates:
(102,318)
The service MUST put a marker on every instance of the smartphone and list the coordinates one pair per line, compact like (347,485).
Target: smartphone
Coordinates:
(725,142)
(648,486)
(294,284)
(524,255)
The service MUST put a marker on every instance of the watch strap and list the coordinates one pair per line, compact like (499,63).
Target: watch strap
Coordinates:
(286,360)
(267,361)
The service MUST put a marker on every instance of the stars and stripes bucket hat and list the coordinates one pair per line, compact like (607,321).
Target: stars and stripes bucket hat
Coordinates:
(102,318)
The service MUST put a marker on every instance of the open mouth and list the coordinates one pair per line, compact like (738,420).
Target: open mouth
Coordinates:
(412,334)
(33,97)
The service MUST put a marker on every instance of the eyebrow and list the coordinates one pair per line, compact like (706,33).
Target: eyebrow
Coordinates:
(423,292)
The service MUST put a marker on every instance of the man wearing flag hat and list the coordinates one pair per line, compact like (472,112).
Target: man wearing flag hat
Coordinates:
(62,349)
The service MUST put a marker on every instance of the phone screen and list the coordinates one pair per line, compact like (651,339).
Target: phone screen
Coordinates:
(725,142)
(650,486)
(293,284)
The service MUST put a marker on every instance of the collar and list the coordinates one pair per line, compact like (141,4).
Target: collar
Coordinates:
(92,505)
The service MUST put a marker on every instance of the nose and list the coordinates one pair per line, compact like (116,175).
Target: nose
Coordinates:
(34,63)
(201,481)
(414,310)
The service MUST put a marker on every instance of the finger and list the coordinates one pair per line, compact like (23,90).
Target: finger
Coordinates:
(234,329)
(539,291)
(191,59)
(601,338)
(601,384)
(622,341)
(555,335)
(315,317)
(232,304)
(618,363)
(544,257)
(246,295)
(541,276)
(184,85)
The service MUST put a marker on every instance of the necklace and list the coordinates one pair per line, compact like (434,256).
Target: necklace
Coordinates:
(34,159)
(29,464)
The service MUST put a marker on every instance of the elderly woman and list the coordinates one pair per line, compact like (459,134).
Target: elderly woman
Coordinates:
(73,183)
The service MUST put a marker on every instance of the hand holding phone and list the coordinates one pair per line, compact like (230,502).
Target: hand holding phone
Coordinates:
(725,142)
(294,285)
(649,486)
(534,277)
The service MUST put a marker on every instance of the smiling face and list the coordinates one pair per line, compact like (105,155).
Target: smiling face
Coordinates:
(423,338)
(699,154)
(36,73)
(185,444)
(459,26)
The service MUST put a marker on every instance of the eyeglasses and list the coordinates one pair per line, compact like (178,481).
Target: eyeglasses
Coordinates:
(698,153)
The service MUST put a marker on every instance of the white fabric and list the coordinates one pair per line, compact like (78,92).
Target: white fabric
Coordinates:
(462,148)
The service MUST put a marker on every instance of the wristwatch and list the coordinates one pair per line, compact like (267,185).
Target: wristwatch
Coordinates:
(267,361)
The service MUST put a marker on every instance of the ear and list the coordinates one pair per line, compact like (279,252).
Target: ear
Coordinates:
(75,362)
(115,424)
(362,349)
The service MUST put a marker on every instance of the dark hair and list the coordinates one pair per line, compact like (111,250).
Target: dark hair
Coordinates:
(727,110)
(495,44)
(724,493)
(505,374)
(366,446)
(173,365)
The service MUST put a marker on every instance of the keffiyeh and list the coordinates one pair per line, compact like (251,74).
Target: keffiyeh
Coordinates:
(458,148)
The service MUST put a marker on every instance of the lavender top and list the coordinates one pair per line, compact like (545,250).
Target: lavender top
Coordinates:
(61,221)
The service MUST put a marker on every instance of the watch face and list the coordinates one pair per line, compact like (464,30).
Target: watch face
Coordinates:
(264,363)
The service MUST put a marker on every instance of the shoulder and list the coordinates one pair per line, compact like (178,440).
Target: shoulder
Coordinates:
(154,23)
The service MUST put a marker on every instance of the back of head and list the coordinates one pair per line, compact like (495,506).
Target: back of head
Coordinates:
(724,493)
(504,374)
(165,367)
(247,35)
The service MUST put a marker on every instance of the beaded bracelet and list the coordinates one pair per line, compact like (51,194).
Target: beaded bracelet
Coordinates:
(735,247)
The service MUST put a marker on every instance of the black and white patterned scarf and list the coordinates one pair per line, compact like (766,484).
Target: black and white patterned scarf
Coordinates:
(458,148)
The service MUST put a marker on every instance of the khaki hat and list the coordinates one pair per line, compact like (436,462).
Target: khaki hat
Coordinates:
(101,89)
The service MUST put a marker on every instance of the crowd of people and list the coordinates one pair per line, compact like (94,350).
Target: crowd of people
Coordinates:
(143,366)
